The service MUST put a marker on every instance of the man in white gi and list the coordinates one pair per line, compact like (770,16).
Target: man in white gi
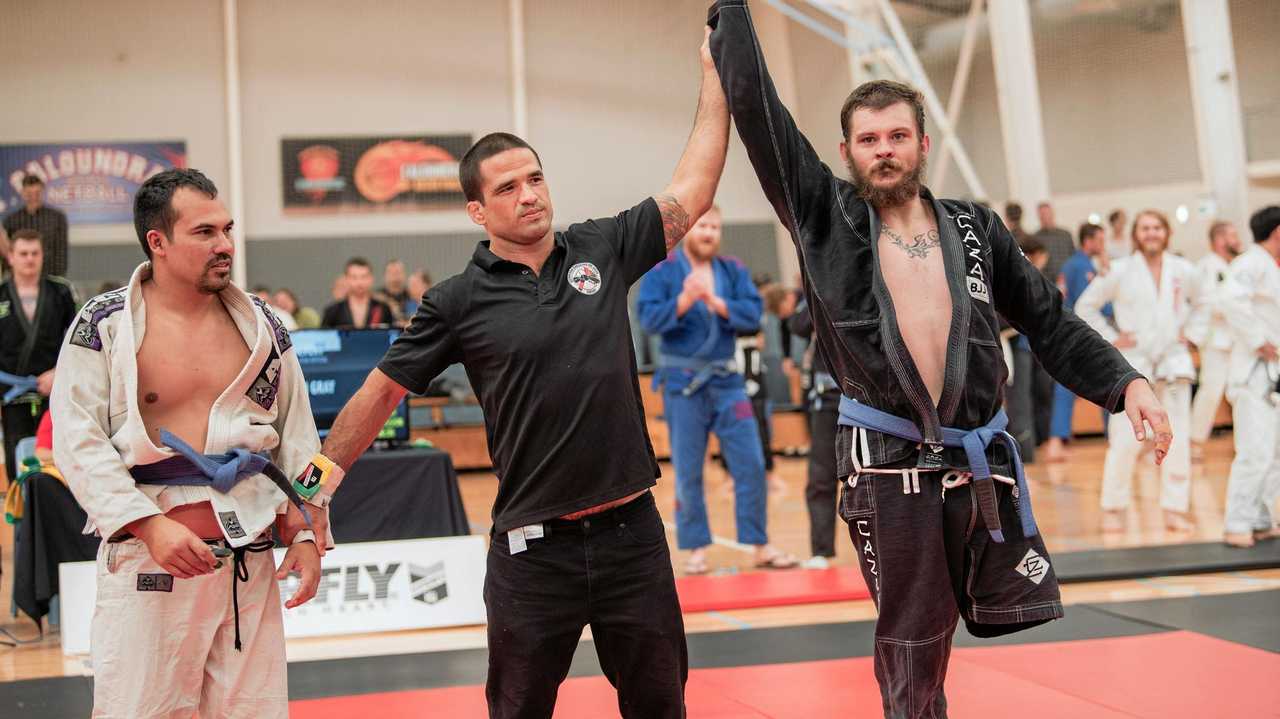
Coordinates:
(1152,294)
(1209,332)
(182,358)
(1253,384)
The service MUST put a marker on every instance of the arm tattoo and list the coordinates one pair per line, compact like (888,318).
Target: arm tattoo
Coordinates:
(675,221)
(920,244)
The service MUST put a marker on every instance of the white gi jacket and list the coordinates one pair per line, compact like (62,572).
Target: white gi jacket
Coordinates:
(1155,317)
(99,432)
(1253,311)
(1208,328)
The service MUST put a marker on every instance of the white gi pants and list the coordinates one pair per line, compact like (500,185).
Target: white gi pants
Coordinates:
(1123,450)
(1213,383)
(165,647)
(1254,484)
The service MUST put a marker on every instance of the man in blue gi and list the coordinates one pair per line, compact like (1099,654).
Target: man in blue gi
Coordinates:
(1076,274)
(697,302)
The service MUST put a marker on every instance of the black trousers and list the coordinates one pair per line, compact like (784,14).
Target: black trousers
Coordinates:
(1019,403)
(611,571)
(19,422)
(1042,390)
(930,562)
(821,486)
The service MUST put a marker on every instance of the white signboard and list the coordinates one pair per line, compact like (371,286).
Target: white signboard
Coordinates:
(364,587)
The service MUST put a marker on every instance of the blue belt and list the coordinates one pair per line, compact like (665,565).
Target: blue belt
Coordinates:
(974,442)
(222,472)
(18,385)
(703,370)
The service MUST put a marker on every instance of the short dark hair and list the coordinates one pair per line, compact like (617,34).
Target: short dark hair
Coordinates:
(1032,246)
(153,204)
(1013,211)
(357,262)
(30,179)
(879,94)
(29,235)
(1115,215)
(486,147)
(1264,222)
(1088,230)
(260,288)
(1044,203)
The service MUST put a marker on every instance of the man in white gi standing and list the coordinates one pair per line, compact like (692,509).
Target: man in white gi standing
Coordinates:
(183,358)
(1209,332)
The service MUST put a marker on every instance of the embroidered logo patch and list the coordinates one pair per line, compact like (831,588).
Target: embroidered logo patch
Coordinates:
(283,341)
(1033,566)
(585,278)
(95,311)
(155,583)
(267,385)
(231,523)
(975,273)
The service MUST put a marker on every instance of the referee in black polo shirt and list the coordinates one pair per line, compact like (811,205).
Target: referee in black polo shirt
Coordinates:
(539,320)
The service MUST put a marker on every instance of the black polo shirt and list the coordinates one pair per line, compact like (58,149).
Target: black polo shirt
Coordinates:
(551,360)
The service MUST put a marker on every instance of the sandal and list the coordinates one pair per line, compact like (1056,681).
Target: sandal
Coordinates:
(778,560)
(696,564)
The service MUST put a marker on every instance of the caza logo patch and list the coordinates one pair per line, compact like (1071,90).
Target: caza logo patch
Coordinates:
(585,278)
(1033,566)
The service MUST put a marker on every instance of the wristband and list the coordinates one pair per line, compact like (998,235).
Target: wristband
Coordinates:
(322,472)
(304,535)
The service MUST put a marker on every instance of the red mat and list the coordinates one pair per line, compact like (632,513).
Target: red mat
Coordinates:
(770,588)
(1175,675)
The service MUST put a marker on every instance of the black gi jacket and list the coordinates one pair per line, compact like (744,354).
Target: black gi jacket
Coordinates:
(856,329)
(55,311)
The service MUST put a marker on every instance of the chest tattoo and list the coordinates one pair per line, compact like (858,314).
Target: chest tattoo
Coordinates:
(916,247)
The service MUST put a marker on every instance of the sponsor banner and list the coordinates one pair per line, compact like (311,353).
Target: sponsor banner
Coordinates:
(93,182)
(364,587)
(338,174)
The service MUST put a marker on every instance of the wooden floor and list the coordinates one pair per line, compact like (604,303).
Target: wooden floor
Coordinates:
(1066,502)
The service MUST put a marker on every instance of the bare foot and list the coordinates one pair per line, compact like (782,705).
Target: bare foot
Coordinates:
(777,486)
(1113,520)
(696,563)
(1177,521)
(1262,535)
(1054,450)
(1243,540)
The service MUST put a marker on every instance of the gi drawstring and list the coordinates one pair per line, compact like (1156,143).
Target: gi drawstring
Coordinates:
(240,573)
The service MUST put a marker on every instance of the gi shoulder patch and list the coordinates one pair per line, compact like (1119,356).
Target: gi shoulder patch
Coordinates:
(283,341)
(267,385)
(155,583)
(85,334)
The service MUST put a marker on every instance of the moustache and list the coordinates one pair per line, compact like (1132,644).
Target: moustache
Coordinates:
(220,259)
(886,165)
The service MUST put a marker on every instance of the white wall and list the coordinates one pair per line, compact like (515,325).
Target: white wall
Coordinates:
(118,71)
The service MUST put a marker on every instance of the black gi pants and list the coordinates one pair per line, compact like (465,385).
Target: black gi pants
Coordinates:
(820,488)
(930,562)
(19,422)
(611,571)
(1019,402)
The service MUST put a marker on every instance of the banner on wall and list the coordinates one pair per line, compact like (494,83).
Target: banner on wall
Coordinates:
(401,172)
(92,182)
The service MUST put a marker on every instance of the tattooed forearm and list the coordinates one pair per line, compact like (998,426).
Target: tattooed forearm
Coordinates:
(675,221)
(919,245)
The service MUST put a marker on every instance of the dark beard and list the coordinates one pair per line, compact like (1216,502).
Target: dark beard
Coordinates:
(903,192)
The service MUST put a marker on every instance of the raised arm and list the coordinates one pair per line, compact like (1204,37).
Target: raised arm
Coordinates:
(793,177)
(693,186)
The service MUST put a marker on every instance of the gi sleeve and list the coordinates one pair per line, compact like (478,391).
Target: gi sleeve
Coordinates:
(82,448)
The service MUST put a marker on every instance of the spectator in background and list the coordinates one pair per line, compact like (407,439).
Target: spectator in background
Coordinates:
(262,292)
(50,223)
(394,291)
(338,291)
(35,311)
(419,283)
(773,340)
(304,317)
(1056,241)
(4,253)
(1119,244)
(360,309)
(107,286)
(1077,273)
(1013,218)
(820,486)
(1019,398)
(1210,332)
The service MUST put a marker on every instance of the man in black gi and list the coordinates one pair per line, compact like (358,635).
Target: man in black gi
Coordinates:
(904,290)
(539,320)
(35,311)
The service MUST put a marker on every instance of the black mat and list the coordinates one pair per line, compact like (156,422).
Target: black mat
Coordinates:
(1251,618)
(1163,561)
